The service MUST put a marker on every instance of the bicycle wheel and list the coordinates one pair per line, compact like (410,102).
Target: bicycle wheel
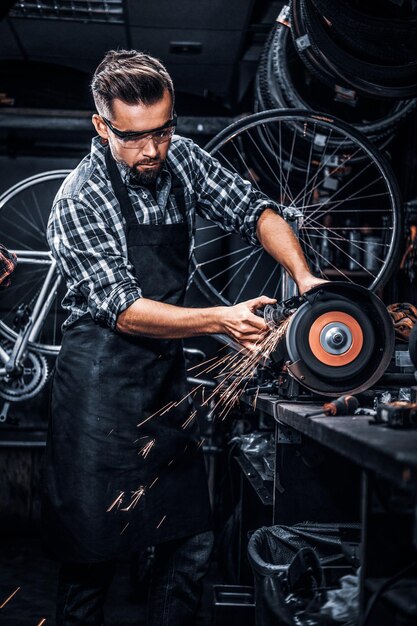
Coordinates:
(24,212)
(346,200)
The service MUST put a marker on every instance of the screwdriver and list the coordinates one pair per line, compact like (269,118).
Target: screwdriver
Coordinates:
(345,405)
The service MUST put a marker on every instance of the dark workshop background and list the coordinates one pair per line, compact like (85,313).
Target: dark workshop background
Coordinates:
(212,49)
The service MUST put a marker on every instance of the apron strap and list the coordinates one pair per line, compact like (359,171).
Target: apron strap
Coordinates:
(120,190)
(122,195)
(177,189)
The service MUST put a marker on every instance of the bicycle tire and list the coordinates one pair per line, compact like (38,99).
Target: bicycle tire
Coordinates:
(234,135)
(383,81)
(395,75)
(280,49)
(387,39)
(275,86)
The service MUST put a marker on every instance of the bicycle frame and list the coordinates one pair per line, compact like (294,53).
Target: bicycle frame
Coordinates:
(40,310)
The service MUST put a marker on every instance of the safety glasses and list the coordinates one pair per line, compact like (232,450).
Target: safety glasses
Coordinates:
(131,139)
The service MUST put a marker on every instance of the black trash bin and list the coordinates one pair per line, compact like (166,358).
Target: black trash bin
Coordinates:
(292,565)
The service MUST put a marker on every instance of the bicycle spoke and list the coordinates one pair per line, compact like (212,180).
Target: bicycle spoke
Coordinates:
(238,269)
(206,243)
(225,256)
(248,278)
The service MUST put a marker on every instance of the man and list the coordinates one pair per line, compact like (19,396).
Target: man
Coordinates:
(119,477)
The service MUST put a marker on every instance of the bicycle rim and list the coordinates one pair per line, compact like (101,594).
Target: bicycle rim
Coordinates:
(349,227)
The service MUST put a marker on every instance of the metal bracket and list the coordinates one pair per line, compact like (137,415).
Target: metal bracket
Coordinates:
(4,412)
(303,42)
(284,15)
(287,435)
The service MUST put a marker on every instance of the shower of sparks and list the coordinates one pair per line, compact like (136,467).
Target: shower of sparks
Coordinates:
(9,598)
(136,496)
(234,372)
(123,530)
(161,521)
(144,451)
(117,502)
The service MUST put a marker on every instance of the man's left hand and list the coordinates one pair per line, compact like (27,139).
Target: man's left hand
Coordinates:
(308,282)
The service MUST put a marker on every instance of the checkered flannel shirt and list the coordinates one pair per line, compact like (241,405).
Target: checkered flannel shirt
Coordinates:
(86,231)
(7,264)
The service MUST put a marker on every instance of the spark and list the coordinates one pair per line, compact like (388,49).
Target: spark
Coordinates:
(193,392)
(110,432)
(189,420)
(9,598)
(200,443)
(136,496)
(117,502)
(153,482)
(123,530)
(255,399)
(144,451)
(154,414)
(43,620)
(161,521)
(170,405)
(190,369)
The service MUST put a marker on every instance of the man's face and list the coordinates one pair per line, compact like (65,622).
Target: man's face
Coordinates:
(145,161)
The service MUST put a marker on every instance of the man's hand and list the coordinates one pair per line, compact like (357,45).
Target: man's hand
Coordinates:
(309,281)
(242,325)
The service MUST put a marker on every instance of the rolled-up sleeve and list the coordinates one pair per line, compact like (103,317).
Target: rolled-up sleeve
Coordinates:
(226,198)
(90,257)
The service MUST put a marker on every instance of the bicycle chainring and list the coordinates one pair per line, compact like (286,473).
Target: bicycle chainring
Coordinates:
(34,375)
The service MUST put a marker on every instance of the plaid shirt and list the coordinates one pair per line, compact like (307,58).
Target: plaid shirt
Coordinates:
(86,231)
(7,264)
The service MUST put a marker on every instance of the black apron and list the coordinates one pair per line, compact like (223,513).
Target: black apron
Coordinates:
(112,486)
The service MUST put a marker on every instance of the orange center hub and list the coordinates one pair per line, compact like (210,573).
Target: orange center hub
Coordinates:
(335,317)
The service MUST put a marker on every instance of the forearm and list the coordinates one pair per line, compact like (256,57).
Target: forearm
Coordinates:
(165,321)
(160,320)
(278,239)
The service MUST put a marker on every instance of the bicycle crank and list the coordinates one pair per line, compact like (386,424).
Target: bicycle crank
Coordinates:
(340,338)
(29,379)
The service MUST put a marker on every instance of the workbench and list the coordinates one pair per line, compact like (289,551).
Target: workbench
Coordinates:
(345,469)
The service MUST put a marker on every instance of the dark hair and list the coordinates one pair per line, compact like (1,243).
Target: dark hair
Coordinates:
(131,76)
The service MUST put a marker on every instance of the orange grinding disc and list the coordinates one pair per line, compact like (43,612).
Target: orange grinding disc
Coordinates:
(334,317)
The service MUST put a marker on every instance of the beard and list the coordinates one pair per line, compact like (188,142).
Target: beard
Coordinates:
(144,177)
(135,176)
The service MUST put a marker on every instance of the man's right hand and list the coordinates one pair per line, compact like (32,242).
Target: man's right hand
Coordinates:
(167,321)
(242,324)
